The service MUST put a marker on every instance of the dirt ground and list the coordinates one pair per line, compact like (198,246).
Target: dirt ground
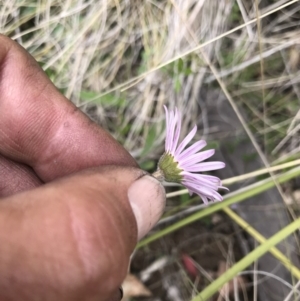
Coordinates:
(195,254)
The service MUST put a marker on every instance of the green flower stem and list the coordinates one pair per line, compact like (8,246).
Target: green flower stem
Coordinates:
(158,174)
(247,260)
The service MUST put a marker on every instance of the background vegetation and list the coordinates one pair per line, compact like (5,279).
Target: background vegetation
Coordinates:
(120,61)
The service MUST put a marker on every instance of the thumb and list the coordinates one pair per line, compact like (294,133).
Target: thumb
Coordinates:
(71,239)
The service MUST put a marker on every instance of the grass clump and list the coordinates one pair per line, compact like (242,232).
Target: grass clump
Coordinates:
(120,61)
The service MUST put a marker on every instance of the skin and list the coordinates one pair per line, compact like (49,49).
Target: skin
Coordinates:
(70,209)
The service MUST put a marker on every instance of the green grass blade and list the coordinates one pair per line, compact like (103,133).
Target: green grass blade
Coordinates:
(246,261)
(261,239)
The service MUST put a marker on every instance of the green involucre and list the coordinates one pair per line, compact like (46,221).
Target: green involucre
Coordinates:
(169,167)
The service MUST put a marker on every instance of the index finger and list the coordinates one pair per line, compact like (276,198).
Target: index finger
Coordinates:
(41,128)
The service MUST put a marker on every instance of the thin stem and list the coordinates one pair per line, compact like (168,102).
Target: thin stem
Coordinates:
(159,175)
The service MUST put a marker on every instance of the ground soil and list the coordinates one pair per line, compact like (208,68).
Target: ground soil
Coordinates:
(210,243)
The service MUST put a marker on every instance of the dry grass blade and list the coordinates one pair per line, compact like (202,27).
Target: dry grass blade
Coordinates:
(120,61)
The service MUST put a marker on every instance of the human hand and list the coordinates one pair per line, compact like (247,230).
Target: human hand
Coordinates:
(66,232)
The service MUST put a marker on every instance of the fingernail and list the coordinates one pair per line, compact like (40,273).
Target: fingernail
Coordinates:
(147,198)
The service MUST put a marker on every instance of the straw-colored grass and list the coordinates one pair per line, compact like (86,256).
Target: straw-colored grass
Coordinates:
(120,61)
(89,48)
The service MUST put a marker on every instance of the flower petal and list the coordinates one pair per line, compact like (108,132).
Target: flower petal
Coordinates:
(191,177)
(176,132)
(196,158)
(204,199)
(193,149)
(167,128)
(207,177)
(171,122)
(185,141)
(174,116)
(188,163)
(206,166)
(202,190)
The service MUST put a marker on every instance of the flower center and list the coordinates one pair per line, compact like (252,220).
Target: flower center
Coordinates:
(169,168)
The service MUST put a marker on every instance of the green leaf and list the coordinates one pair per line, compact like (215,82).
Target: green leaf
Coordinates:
(105,100)
(148,165)
(150,141)
(180,66)
(177,84)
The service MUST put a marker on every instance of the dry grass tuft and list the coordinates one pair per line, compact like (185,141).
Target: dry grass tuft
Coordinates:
(120,61)
(89,48)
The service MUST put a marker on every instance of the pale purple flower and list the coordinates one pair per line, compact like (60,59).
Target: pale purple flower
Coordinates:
(183,165)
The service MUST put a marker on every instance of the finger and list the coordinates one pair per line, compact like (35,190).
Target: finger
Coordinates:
(41,128)
(117,295)
(71,239)
(16,177)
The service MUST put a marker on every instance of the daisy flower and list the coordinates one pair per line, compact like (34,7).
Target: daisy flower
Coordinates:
(183,165)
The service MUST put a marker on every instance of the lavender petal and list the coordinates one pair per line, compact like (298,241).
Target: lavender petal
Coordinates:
(196,158)
(193,149)
(206,166)
(177,132)
(185,141)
